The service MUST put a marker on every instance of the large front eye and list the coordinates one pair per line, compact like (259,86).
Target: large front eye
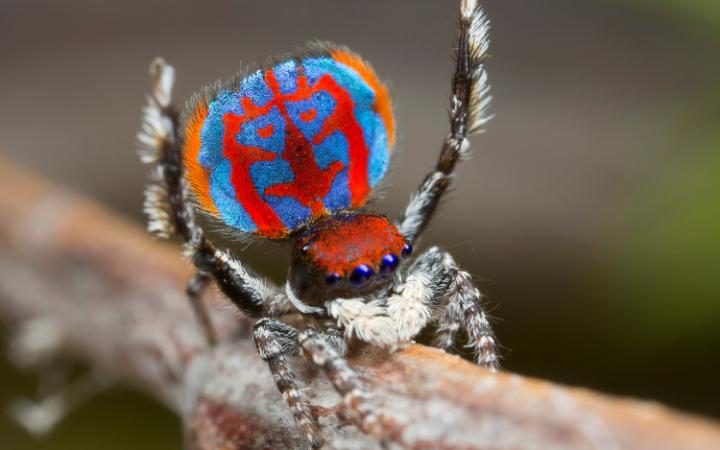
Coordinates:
(360,275)
(388,264)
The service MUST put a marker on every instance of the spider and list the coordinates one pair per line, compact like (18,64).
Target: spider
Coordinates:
(294,151)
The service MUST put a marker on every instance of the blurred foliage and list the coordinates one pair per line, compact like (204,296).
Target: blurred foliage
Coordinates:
(660,280)
(698,15)
(667,261)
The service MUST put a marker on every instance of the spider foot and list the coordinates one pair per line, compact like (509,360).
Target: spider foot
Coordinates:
(356,397)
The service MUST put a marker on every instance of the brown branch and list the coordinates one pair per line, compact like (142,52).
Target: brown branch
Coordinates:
(115,299)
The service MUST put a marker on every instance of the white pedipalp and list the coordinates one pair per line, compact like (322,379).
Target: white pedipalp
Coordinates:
(409,308)
(367,321)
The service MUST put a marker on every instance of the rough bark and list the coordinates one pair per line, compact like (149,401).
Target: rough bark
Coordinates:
(103,291)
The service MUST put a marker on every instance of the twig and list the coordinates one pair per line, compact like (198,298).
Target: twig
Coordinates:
(104,292)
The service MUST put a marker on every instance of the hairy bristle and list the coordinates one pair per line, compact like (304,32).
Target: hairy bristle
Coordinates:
(157,207)
(154,137)
(467,8)
(478,44)
(162,77)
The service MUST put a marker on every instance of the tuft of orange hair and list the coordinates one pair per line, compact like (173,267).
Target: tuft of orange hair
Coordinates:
(197,176)
(383,105)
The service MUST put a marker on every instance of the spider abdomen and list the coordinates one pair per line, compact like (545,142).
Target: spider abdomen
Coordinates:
(286,145)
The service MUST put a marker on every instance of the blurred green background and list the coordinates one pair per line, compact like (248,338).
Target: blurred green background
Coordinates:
(589,214)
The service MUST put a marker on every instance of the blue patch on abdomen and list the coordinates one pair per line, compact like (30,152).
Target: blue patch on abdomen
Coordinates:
(268,133)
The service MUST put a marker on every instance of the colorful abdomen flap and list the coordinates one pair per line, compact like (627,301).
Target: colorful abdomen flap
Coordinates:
(290,144)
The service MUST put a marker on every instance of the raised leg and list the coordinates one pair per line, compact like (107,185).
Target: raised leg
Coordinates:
(437,290)
(468,105)
(170,209)
(275,341)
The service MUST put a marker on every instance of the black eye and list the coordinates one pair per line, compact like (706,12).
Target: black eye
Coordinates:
(388,264)
(360,275)
(407,249)
(333,278)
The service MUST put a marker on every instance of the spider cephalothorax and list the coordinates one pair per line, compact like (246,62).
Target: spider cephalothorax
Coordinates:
(346,256)
(295,150)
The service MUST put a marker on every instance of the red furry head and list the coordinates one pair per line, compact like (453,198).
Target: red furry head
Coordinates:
(346,255)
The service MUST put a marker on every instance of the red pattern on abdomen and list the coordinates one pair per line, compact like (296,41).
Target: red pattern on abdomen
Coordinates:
(311,184)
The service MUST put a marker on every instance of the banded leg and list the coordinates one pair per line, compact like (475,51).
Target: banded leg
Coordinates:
(320,351)
(336,340)
(275,341)
(464,307)
(170,209)
(468,106)
(436,289)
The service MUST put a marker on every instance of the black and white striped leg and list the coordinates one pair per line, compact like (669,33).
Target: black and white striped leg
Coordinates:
(464,307)
(336,340)
(441,290)
(468,105)
(170,209)
(275,342)
(321,352)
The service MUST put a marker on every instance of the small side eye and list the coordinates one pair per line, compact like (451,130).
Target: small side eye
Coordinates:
(333,278)
(360,275)
(407,249)
(388,264)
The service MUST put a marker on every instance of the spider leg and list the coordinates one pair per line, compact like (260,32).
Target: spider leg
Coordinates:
(275,341)
(170,208)
(436,289)
(468,105)
(195,289)
(336,340)
(464,307)
(320,351)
